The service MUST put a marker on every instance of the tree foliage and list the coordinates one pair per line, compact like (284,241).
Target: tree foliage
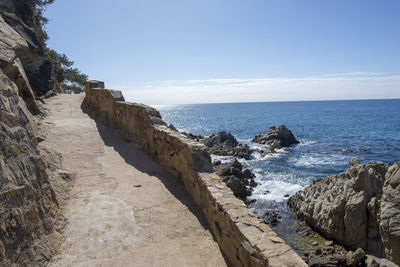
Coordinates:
(70,79)
(31,12)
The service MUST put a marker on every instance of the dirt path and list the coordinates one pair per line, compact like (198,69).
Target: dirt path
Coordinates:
(124,209)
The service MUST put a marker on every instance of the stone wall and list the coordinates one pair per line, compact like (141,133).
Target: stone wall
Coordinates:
(241,236)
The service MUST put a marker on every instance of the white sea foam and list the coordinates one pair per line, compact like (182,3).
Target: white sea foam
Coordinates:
(242,161)
(274,190)
(182,130)
(259,157)
(282,150)
(258,146)
(306,142)
(312,160)
(274,186)
(223,159)
(257,171)
(167,107)
(256,156)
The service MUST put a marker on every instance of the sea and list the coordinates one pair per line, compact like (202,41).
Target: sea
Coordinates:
(330,134)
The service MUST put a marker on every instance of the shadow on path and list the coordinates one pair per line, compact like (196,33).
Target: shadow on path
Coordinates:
(139,160)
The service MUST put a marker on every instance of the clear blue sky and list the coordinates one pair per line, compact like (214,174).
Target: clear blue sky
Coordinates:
(171,51)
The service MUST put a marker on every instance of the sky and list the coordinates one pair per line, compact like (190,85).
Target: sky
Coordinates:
(214,51)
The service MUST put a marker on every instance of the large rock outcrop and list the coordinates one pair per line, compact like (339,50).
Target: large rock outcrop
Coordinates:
(277,137)
(28,198)
(29,180)
(358,208)
(390,213)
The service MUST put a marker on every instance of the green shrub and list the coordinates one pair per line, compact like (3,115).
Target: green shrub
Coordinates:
(70,79)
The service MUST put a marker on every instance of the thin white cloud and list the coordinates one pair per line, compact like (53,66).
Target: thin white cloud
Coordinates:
(354,85)
(347,74)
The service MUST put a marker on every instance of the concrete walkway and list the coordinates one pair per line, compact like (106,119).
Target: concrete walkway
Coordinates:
(124,209)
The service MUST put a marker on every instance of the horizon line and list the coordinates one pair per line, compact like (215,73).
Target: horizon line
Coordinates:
(277,101)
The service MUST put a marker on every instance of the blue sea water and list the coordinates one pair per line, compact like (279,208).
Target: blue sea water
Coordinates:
(330,132)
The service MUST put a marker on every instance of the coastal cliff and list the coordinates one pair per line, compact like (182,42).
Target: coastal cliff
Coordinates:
(243,238)
(30,182)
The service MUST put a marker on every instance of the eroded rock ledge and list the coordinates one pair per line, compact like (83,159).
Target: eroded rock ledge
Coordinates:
(241,236)
(358,208)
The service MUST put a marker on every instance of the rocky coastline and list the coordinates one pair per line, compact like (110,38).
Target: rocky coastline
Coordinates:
(239,180)
(343,220)
(358,208)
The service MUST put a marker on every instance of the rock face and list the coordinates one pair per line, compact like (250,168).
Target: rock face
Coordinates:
(236,178)
(29,181)
(277,137)
(28,200)
(390,213)
(21,54)
(358,208)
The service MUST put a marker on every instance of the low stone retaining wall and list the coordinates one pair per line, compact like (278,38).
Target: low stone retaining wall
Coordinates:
(241,236)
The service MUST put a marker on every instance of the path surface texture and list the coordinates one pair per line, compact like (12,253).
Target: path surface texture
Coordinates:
(124,210)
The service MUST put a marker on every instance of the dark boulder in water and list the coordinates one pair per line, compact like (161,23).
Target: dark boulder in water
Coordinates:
(216,163)
(272,218)
(242,151)
(277,137)
(236,178)
(225,144)
(238,187)
(234,168)
(221,139)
